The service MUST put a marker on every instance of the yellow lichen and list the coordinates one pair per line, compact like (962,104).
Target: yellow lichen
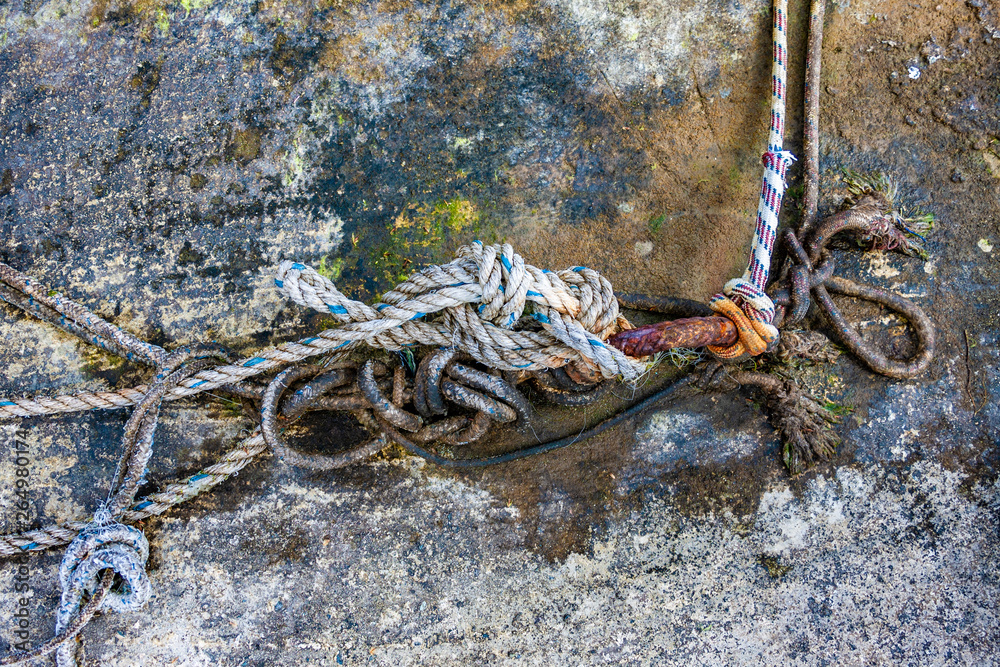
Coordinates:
(434,222)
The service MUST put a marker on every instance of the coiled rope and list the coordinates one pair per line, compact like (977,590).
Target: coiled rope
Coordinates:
(576,310)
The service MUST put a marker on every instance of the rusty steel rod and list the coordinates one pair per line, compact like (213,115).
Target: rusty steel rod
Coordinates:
(687,332)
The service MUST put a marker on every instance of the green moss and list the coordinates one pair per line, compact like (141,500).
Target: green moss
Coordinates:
(837,409)
(294,157)
(656,223)
(97,364)
(190,5)
(426,233)
(162,21)
(148,15)
(332,270)
(734,176)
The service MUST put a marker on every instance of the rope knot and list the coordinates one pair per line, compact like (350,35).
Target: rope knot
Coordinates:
(473,303)
(100,546)
(751,297)
(756,334)
(504,283)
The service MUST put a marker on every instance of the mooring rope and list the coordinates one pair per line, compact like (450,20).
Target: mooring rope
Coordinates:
(481,294)
(488,304)
(477,299)
(576,310)
(747,294)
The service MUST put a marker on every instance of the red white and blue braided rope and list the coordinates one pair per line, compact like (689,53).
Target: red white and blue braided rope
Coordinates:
(748,291)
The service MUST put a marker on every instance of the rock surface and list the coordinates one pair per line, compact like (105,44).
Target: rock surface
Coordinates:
(158,159)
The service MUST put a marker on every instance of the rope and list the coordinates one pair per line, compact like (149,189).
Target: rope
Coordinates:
(51,306)
(487,303)
(71,631)
(152,505)
(747,293)
(810,125)
(104,545)
(576,310)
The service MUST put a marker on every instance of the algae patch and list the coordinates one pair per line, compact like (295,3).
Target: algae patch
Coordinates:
(427,233)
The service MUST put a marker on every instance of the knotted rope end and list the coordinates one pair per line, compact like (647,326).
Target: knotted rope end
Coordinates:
(756,334)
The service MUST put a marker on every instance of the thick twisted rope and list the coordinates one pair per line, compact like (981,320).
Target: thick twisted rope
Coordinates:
(577,309)
(31,296)
(747,292)
(478,296)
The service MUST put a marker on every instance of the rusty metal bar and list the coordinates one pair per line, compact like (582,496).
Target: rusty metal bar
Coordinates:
(687,332)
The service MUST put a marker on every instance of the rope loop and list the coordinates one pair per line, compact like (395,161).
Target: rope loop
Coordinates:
(756,334)
(103,545)
(750,296)
(812,280)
